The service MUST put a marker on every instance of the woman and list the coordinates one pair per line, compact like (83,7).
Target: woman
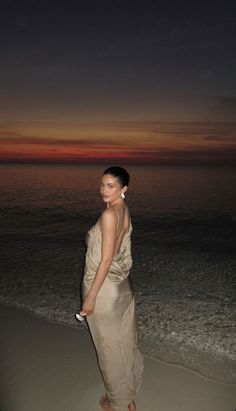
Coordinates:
(108,300)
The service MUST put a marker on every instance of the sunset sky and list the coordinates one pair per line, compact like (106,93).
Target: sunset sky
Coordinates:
(94,81)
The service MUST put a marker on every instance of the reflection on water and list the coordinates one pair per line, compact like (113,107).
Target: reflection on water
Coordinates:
(168,189)
(170,206)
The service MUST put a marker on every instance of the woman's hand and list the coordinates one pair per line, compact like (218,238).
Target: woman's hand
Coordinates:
(88,306)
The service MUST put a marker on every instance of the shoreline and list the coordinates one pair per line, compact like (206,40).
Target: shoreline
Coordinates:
(163,353)
(46,365)
(185,310)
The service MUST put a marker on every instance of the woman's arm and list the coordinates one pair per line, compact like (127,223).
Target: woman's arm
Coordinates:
(108,226)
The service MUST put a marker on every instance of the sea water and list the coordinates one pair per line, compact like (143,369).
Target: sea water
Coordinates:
(183,247)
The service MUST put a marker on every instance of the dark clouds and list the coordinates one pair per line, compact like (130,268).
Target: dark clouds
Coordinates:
(228,102)
(159,72)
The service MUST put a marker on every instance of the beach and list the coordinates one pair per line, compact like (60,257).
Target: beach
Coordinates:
(183,273)
(185,300)
(123,113)
(53,367)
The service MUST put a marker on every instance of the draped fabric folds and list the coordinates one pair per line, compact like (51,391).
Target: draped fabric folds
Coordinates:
(113,322)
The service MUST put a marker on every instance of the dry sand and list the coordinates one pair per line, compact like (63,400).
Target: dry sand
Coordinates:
(47,366)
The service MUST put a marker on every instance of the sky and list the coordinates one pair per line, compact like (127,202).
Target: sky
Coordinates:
(149,82)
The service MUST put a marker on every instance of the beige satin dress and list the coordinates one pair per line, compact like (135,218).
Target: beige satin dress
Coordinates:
(113,322)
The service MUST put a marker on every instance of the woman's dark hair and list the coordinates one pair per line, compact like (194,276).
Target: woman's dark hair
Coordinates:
(120,173)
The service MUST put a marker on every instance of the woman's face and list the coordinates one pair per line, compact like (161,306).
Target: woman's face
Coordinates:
(110,188)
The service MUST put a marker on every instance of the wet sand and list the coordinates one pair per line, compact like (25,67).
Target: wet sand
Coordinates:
(49,366)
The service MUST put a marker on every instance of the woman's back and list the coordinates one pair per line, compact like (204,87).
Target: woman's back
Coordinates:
(108,296)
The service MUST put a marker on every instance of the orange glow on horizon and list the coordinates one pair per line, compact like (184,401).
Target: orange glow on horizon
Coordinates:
(135,142)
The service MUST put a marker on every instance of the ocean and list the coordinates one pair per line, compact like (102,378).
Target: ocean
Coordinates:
(183,247)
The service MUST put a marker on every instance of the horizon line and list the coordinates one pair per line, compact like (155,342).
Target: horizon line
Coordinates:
(189,163)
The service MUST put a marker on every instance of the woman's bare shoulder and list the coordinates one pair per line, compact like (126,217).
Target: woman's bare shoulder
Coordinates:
(108,216)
